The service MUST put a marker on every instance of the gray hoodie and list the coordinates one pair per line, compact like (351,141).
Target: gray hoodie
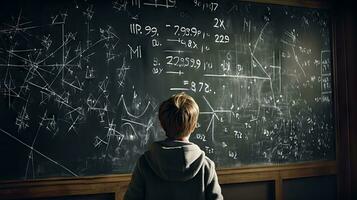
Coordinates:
(174,170)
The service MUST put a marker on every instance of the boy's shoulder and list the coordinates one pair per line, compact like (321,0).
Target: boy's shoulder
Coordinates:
(192,147)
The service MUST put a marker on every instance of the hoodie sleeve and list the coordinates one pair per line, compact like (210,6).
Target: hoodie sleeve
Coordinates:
(136,189)
(213,189)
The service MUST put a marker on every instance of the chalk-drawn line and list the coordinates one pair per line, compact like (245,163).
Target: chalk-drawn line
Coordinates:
(214,116)
(179,89)
(38,152)
(236,76)
(147,126)
(260,36)
(122,100)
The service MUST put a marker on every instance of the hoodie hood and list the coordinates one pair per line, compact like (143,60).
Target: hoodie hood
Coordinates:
(175,160)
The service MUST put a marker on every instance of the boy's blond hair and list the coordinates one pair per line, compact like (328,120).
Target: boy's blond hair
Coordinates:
(178,115)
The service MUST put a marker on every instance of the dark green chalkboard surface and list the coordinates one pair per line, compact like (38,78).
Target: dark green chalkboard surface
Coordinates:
(81,81)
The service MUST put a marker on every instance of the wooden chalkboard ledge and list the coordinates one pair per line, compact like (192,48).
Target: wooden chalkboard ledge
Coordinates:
(274,172)
(277,173)
(56,187)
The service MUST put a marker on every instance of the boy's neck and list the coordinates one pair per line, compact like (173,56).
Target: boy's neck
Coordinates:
(183,139)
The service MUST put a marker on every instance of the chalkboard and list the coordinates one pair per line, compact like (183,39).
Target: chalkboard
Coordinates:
(81,81)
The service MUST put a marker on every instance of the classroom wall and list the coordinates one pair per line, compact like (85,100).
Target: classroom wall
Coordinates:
(352,96)
(353,100)
(346,31)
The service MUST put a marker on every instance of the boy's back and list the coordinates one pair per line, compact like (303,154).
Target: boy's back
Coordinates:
(175,168)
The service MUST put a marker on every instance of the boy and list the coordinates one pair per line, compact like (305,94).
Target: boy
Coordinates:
(175,168)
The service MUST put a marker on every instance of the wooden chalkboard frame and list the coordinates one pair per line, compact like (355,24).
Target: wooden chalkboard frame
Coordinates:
(117,184)
(56,187)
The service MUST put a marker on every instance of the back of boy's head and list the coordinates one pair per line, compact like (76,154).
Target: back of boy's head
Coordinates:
(178,115)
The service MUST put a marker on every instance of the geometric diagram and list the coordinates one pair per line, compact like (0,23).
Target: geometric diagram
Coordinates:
(122,73)
(214,116)
(132,120)
(21,120)
(50,125)
(112,133)
(112,128)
